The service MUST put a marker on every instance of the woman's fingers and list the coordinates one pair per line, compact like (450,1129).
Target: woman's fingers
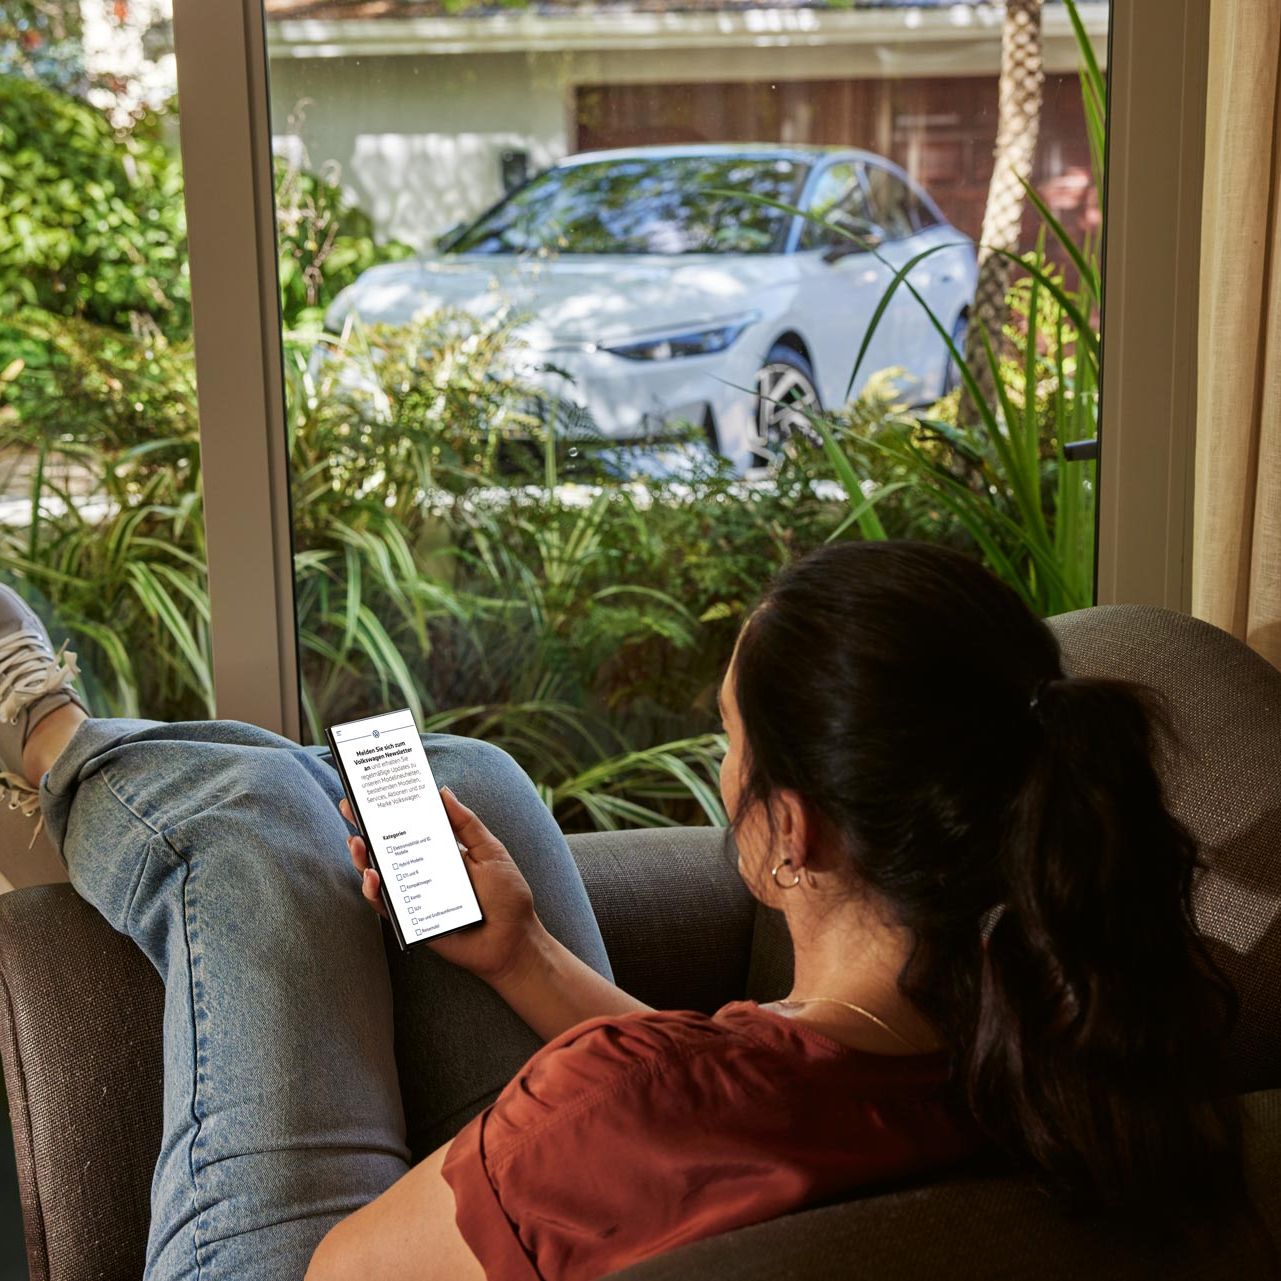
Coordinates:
(359,855)
(369,883)
(472,834)
(369,887)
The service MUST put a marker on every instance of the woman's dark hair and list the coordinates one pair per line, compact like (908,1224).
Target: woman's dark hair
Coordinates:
(1013,819)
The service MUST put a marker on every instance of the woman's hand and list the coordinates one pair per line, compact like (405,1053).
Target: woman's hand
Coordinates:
(490,950)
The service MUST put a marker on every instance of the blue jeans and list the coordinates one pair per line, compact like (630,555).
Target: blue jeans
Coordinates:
(217,846)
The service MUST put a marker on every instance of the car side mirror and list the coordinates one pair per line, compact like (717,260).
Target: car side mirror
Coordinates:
(447,238)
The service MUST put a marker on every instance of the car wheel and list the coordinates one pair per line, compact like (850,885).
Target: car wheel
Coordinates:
(786,396)
(952,371)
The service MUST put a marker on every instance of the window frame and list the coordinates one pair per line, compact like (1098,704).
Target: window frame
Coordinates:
(1152,197)
(1158,59)
(225,133)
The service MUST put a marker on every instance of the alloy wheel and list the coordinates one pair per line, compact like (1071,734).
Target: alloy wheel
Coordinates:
(785,399)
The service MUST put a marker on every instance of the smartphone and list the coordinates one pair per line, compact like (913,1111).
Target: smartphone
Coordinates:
(398,811)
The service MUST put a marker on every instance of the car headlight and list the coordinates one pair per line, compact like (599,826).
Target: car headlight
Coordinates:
(687,342)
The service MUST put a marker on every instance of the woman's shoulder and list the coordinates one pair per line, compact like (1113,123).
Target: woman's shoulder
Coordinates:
(651,1039)
(663,1126)
(673,1061)
(606,1053)
(654,1040)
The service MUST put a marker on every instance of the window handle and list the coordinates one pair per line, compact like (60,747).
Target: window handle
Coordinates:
(1081,451)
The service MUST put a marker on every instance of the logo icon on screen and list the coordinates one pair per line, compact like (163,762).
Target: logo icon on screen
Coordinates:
(375,733)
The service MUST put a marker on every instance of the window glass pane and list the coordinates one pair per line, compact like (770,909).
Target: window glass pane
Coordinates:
(838,203)
(923,216)
(561,308)
(100,519)
(890,201)
(643,205)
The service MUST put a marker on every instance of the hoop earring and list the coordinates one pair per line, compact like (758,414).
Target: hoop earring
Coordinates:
(790,884)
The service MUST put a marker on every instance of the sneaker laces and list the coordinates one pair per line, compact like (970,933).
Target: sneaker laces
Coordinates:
(29,669)
(18,794)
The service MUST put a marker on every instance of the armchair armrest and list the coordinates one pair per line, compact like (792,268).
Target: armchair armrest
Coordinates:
(80,1039)
(676,918)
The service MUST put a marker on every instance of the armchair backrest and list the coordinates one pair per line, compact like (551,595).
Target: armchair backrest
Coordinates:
(1223,781)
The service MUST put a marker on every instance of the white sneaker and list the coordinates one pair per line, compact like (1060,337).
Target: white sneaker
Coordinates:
(17,794)
(34,681)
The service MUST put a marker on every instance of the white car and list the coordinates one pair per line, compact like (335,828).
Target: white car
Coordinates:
(666,284)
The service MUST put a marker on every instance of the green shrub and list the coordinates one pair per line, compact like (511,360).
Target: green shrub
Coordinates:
(91,221)
(1001,487)
(443,558)
(324,242)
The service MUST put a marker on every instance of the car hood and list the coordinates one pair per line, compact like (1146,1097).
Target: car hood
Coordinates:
(568,301)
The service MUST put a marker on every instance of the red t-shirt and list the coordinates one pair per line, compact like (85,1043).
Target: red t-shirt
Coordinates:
(628,1136)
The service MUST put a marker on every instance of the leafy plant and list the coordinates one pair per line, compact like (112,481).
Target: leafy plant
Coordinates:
(323,242)
(114,540)
(499,599)
(1004,482)
(91,222)
(497,602)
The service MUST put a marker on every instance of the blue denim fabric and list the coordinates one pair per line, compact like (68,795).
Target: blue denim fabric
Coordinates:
(217,846)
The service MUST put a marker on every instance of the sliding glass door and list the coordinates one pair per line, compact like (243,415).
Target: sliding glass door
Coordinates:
(592,320)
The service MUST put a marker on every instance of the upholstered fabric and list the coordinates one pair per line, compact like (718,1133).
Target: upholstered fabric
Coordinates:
(1224,781)
(769,975)
(80,1018)
(980,1228)
(676,918)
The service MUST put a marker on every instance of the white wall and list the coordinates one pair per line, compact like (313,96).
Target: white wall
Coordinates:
(416,140)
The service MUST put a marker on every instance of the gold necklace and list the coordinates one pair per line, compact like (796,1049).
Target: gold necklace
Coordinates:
(858,1009)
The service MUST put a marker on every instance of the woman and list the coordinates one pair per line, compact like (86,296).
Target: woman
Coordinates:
(987,899)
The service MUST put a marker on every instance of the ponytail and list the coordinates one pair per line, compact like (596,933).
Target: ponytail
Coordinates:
(1100,1016)
(920,709)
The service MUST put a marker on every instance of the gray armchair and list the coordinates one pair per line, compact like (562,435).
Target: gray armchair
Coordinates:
(80,1017)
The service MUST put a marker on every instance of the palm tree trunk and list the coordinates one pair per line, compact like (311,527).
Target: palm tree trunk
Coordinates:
(1018,125)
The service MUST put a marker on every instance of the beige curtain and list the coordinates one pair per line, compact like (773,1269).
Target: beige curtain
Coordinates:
(1236,567)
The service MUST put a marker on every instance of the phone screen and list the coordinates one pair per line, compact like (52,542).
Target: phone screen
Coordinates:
(402,818)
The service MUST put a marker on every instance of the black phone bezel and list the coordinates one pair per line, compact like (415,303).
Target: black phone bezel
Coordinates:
(349,791)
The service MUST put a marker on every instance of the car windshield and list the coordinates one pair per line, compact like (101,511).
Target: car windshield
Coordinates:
(644,205)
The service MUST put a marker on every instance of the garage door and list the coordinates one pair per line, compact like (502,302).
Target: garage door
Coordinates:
(941,129)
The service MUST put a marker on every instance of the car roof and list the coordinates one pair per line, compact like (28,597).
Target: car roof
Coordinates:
(748,151)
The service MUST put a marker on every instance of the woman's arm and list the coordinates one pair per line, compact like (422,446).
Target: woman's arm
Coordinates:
(407,1233)
(540,978)
(552,990)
